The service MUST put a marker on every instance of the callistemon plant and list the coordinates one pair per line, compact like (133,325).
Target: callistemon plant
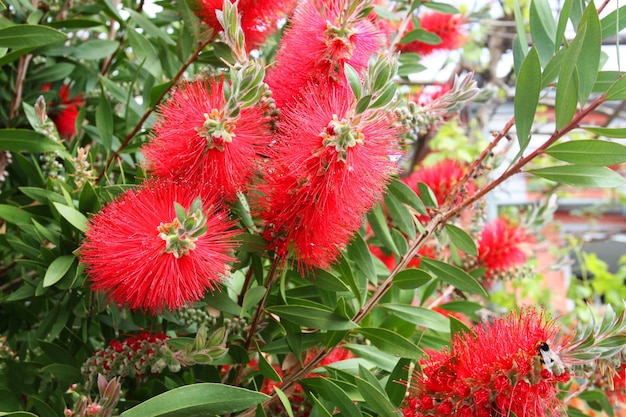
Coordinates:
(251,218)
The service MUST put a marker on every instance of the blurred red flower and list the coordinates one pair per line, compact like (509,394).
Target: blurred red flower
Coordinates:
(322,37)
(194,137)
(499,368)
(65,113)
(259,18)
(142,254)
(447,26)
(502,246)
(327,170)
(390,259)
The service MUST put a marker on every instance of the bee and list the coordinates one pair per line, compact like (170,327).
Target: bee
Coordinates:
(550,359)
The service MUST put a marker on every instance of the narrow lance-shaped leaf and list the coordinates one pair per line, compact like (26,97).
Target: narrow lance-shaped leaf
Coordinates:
(580,175)
(520,44)
(589,64)
(28,36)
(454,276)
(568,85)
(589,152)
(527,96)
(542,29)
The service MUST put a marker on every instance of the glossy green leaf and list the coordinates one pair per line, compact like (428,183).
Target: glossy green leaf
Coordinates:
(453,275)
(353,80)
(589,64)
(15,215)
(360,254)
(419,316)
(542,29)
(568,85)
(73,216)
(285,401)
(318,410)
(252,298)
(608,132)
(457,326)
(207,399)
(57,269)
(400,215)
(617,91)
(312,317)
(95,49)
(391,342)
(461,239)
(445,8)
(376,400)
(55,72)
(598,397)
(589,152)
(552,69)
(17,414)
(520,43)
(104,121)
(421,35)
(329,389)
(526,98)
(148,26)
(29,36)
(327,281)
(406,194)
(378,222)
(580,175)
(17,140)
(411,278)
(562,24)
(146,53)
(395,389)
(614,22)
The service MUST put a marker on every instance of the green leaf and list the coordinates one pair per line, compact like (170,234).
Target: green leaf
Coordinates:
(207,399)
(411,278)
(391,342)
(149,27)
(395,389)
(562,24)
(360,254)
(17,140)
(613,23)
(427,195)
(146,53)
(406,194)
(551,71)
(457,326)
(526,98)
(580,175)
(353,80)
(95,49)
(378,222)
(441,7)
(318,410)
(607,131)
(15,215)
(327,388)
(589,152)
(58,71)
(599,397)
(17,414)
(73,216)
(400,215)
(267,369)
(454,276)
(617,91)
(568,85)
(29,36)
(542,29)
(420,316)
(312,317)
(421,35)
(284,400)
(376,400)
(252,298)
(461,239)
(327,281)
(589,64)
(57,269)
(520,44)
(104,121)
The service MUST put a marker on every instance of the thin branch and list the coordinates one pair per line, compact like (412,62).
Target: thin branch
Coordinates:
(22,68)
(148,112)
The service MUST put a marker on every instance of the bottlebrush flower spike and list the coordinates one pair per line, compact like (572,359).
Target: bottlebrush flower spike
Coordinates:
(323,36)
(502,246)
(160,246)
(259,18)
(64,115)
(200,134)
(500,368)
(448,27)
(328,169)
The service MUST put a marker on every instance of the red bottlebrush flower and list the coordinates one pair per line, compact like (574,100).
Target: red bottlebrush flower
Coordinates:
(193,137)
(64,114)
(328,169)
(323,36)
(500,368)
(447,26)
(390,259)
(430,93)
(259,18)
(502,246)
(143,252)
